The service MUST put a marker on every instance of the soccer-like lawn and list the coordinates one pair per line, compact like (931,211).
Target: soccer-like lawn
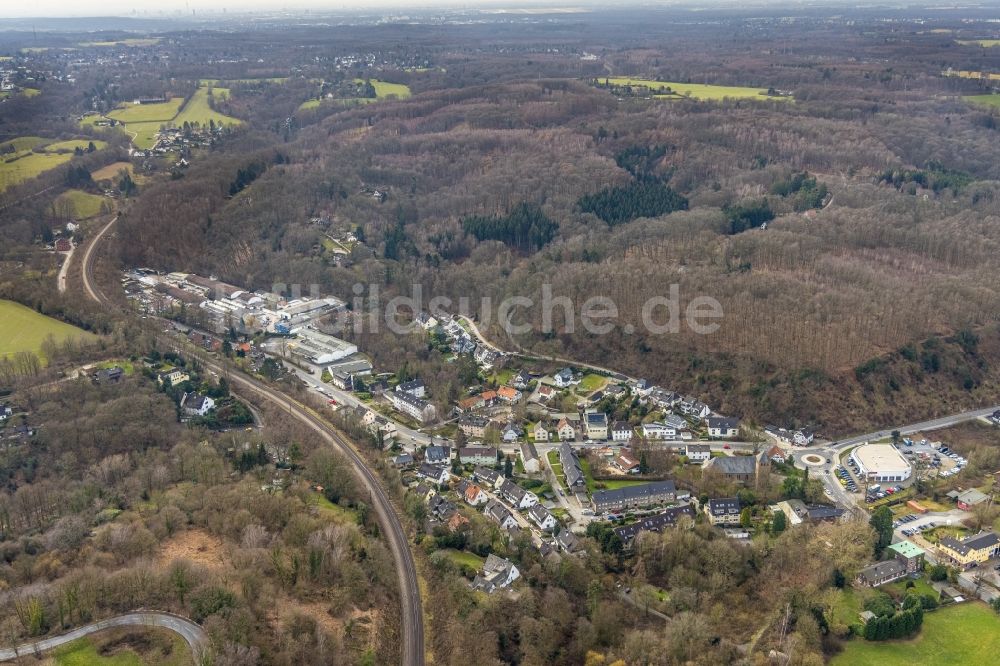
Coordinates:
(23,329)
(80,205)
(984,100)
(967,633)
(698,91)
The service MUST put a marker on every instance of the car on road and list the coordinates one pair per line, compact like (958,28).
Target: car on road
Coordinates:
(726,446)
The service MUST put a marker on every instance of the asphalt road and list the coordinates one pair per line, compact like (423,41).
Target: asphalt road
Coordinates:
(193,634)
(412,620)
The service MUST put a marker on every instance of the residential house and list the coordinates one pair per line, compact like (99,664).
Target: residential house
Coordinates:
(516,495)
(563,378)
(621,431)
(5,412)
(694,408)
(545,393)
(597,425)
(498,573)
(175,376)
(437,455)
(474,495)
(540,432)
(471,403)
(725,511)
(633,497)
(473,426)
(490,398)
(509,394)
(440,508)
(542,517)
(424,491)
(438,474)
(521,380)
(721,426)
(500,514)
(426,321)
(571,467)
(342,380)
(803,437)
(698,453)
(403,460)
(485,356)
(195,404)
(529,458)
(409,404)
(655,523)
(111,375)
(745,469)
(477,455)
(414,387)
(512,432)
(776,454)
(487,476)
(626,462)
(568,542)
(909,554)
(797,512)
(881,573)
(971,550)
(567,432)
(659,431)
(678,423)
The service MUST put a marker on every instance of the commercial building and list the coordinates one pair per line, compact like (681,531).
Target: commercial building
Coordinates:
(970,550)
(909,554)
(319,348)
(881,462)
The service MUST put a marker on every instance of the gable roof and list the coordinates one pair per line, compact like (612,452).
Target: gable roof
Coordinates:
(633,493)
(655,523)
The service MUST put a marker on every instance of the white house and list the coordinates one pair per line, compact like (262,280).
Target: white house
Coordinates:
(621,431)
(658,431)
(474,495)
(721,426)
(195,404)
(529,458)
(434,473)
(516,495)
(540,432)
(563,378)
(698,452)
(497,573)
(542,517)
(500,514)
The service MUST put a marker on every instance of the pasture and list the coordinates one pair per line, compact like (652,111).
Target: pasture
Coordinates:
(992,101)
(29,166)
(80,205)
(986,43)
(383,90)
(73,144)
(967,633)
(111,171)
(198,110)
(698,91)
(23,329)
(145,113)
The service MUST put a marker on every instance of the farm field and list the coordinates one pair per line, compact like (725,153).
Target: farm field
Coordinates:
(79,204)
(698,91)
(979,42)
(125,647)
(23,329)
(23,143)
(967,633)
(142,122)
(73,144)
(968,74)
(984,100)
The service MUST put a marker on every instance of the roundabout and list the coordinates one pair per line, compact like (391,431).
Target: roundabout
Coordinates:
(813,459)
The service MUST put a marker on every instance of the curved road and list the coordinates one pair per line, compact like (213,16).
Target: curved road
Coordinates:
(194,635)
(412,621)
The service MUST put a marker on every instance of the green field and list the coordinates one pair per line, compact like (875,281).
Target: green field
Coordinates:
(24,143)
(23,329)
(217,82)
(698,91)
(125,42)
(967,633)
(591,383)
(144,113)
(463,558)
(28,167)
(383,90)
(197,110)
(979,42)
(992,101)
(79,205)
(73,144)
